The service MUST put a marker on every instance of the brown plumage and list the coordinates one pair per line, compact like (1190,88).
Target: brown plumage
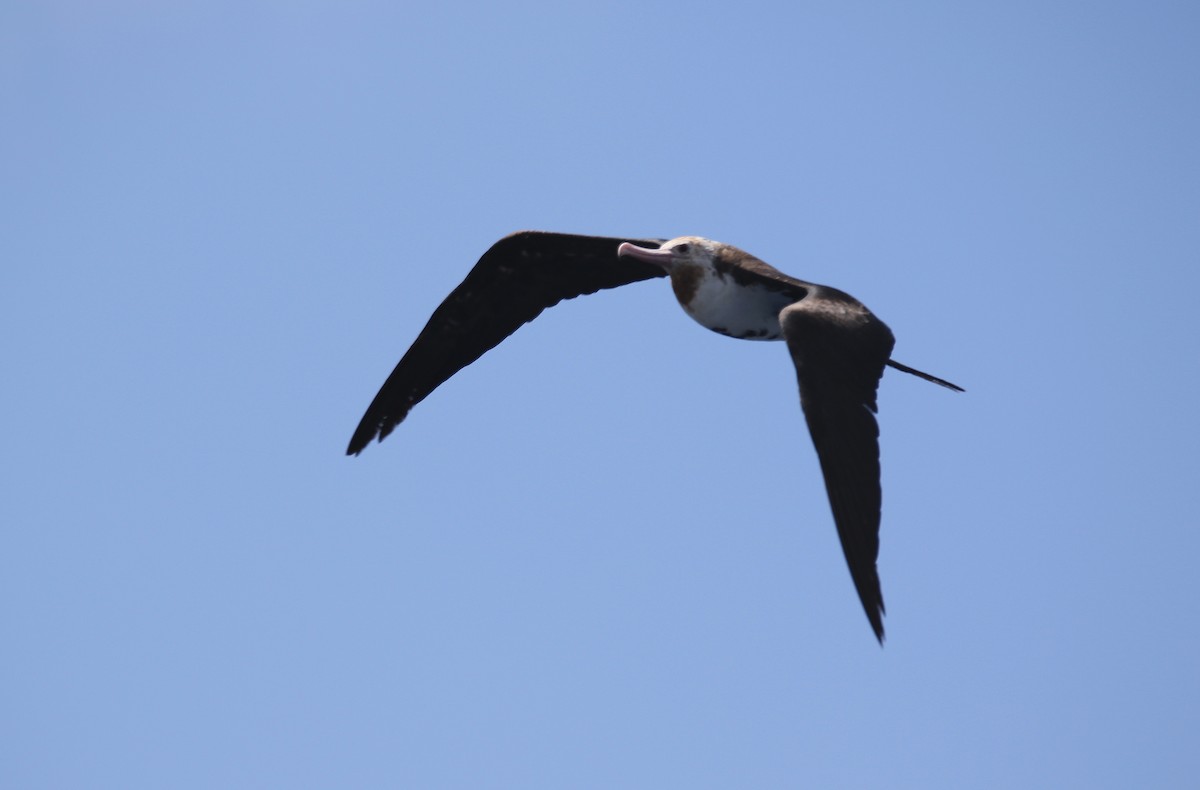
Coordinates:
(839,349)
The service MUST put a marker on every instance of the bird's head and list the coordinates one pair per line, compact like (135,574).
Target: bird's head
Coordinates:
(681,252)
(690,261)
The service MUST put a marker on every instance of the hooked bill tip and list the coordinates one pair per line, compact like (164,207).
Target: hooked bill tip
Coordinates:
(660,257)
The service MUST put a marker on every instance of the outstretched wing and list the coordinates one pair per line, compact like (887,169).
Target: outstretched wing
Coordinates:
(839,348)
(519,277)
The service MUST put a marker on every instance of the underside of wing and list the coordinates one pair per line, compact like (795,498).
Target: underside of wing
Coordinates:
(839,349)
(515,280)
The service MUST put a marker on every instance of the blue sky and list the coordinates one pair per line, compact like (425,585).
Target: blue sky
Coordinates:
(223,223)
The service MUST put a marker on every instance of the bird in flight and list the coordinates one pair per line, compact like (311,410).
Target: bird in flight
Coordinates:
(838,346)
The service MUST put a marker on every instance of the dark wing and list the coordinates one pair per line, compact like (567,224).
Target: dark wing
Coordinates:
(519,277)
(840,349)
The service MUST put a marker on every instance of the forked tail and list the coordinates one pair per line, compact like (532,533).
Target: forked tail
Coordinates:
(922,375)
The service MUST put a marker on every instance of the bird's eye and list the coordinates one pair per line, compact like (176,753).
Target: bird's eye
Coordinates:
(682,248)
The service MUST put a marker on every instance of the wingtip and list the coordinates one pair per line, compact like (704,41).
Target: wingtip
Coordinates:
(876,619)
(370,430)
(872,603)
(360,440)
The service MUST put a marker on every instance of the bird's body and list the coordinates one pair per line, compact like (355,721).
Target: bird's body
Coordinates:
(838,346)
(728,300)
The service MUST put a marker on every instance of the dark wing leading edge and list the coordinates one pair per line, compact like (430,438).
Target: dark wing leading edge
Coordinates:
(519,277)
(839,349)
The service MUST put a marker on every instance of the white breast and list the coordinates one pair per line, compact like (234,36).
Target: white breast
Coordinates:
(745,312)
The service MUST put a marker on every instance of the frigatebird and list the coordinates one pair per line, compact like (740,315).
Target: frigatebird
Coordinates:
(838,346)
